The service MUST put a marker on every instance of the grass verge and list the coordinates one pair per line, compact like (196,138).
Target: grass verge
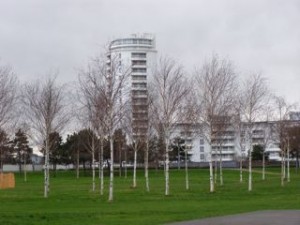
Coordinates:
(71,200)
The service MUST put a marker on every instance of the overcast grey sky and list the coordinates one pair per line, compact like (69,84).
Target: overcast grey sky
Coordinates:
(257,35)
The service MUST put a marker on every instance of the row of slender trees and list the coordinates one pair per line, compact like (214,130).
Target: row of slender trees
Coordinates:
(206,103)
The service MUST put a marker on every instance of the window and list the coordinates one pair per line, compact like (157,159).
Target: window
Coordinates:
(139,70)
(140,92)
(138,77)
(202,157)
(201,148)
(138,63)
(201,141)
(138,55)
(139,85)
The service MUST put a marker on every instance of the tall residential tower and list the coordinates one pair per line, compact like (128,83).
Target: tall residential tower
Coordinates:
(136,53)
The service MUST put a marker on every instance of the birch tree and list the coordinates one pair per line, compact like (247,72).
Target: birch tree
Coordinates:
(168,90)
(221,127)
(216,88)
(9,113)
(282,110)
(267,137)
(136,137)
(189,114)
(93,105)
(120,145)
(239,128)
(150,134)
(106,86)
(253,100)
(45,106)
(89,142)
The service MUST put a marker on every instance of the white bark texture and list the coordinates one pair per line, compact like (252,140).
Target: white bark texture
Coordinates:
(167,90)
(221,170)
(93,166)
(147,166)
(253,101)
(101,175)
(8,97)
(288,163)
(282,129)
(167,175)
(102,86)
(250,169)
(241,170)
(134,167)
(216,87)
(187,184)
(264,166)
(46,111)
(111,176)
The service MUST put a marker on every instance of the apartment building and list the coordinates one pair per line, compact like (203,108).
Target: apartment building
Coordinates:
(232,145)
(136,54)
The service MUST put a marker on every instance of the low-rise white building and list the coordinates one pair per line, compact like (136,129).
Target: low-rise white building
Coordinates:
(231,145)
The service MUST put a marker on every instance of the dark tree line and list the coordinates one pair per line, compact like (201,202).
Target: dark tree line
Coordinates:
(75,150)
(15,150)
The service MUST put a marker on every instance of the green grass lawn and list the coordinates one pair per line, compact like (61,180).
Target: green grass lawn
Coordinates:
(71,200)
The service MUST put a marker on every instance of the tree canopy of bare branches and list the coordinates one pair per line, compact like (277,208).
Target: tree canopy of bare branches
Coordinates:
(216,88)
(168,90)
(253,100)
(46,111)
(103,96)
(282,109)
(8,95)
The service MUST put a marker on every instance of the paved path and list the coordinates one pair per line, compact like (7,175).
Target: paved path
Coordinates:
(272,217)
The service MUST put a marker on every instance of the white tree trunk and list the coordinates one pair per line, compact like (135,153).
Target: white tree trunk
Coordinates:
(216,170)
(111,178)
(263,167)
(284,165)
(187,186)
(250,169)
(221,169)
(241,170)
(45,179)
(167,188)
(101,167)
(125,169)
(288,163)
(147,167)
(134,166)
(178,157)
(282,169)
(48,174)
(120,159)
(46,168)
(211,172)
(93,167)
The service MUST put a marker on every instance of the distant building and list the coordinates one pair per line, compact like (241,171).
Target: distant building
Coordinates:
(232,145)
(36,159)
(294,116)
(136,53)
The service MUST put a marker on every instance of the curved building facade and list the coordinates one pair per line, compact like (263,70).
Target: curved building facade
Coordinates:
(136,53)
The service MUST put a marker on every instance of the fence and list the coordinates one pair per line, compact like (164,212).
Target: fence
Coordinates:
(33,167)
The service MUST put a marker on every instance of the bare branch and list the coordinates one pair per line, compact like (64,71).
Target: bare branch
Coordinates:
(8,95)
